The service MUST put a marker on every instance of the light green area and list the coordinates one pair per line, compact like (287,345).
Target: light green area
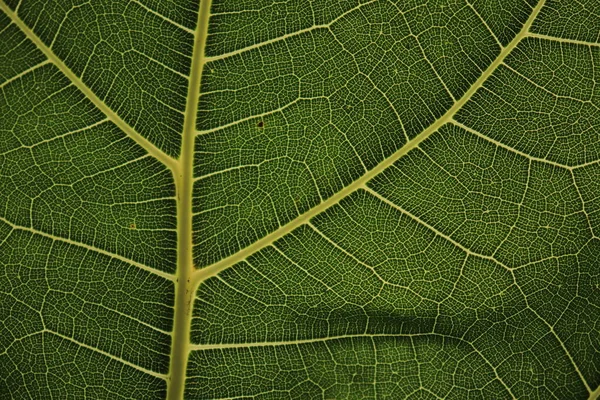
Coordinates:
(299,199)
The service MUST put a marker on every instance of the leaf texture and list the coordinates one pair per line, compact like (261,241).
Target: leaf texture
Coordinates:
(300,199)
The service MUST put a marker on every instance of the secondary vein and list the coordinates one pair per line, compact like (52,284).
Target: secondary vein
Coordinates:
(207,272)
(124,126)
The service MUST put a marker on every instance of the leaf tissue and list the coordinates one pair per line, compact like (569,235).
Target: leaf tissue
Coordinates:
(299,199)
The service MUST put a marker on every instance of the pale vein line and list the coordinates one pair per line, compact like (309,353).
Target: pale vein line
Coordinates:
(184,76)
(148,201)
(561,40)
(124,126)
(431,65)
(520,207)
(387,100)
(230,169)
(178,25)
(583,205)
(91,248)
(434,230)
(433,68)
(287,35)
(104,353)
(201,347)
(553,332)
(369,267)
(381,92)
(58,137)
(354,150)
(416,37)
(485,23)
(62,22)
(225,263)
(103,172)
(6,349)
(556,95)
(506,147)
(223,346)
(264,114)
(102,305)
(111,310)
(511,270)
(586,164)
(20,75)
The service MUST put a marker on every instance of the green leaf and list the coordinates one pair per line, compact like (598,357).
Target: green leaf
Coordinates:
(300,199)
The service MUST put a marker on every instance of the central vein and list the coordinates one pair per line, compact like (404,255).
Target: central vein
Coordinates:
(183,175)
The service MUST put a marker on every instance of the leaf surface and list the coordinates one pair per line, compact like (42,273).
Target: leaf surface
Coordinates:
(300,199)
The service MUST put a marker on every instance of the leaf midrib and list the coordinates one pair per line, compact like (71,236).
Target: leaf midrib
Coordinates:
(184,181)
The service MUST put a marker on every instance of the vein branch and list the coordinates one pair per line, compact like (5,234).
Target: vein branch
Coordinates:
(124,126)
(118,359)
(325,340)
(490,258)
(287,35)
(562,40)
(90,248)
(511,149)
(205,273)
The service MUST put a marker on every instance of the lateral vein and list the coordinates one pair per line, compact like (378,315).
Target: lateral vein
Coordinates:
(22,74)
(222,346)
(219,346)
(490,258)
(431,228)
(164,18)
(506,147)
(286,36)
(152,270)
(205,273)
(124,126)
(561,40)
(118,359)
